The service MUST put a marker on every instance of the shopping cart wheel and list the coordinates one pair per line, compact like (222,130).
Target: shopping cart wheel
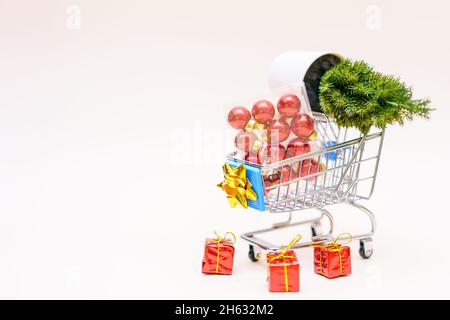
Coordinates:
(365,248)
(251,254)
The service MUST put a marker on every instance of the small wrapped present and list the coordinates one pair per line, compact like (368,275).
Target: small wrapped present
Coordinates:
(333,260)
(284,269)
(219,254)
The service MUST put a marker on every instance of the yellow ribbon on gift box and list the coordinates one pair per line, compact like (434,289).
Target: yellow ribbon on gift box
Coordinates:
(236,185)
(283,255)
(219,239)
(335,246)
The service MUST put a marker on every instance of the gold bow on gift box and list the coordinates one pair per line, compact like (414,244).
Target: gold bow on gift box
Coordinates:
(236,185)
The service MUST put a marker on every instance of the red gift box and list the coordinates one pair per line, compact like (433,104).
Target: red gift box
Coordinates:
(332,260)
(219,254)
(284,269)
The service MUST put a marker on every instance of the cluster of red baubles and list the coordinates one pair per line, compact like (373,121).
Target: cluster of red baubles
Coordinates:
(305,168)
(261,134)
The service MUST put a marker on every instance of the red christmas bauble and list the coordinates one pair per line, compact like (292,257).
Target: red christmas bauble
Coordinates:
(287,174)
(310,167)
(268,183)
(263,111)
(244,140)
(271,154)
(252,158)
(297,147)
(278,130)
(272,179)
(289,105)
(302,125)
(238,117)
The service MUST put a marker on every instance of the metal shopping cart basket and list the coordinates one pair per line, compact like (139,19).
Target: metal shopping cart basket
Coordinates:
(348,174)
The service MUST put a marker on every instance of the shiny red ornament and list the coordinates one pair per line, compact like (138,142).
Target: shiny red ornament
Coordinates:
(263,111)
(288,173)
(297,147)
(289,105)
(238,117)
(267,183)
(271,179)
(252,158)
(271,154)
(285,174)
(244,141)
(310,167)
(302,125)
(278,131)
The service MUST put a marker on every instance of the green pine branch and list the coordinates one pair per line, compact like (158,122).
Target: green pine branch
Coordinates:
(355,95)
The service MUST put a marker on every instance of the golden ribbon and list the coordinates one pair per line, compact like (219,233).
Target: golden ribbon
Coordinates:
(335,246)
(220,239)
(236,185)
(312,136)
(260,130)
(283,255)
(253,126)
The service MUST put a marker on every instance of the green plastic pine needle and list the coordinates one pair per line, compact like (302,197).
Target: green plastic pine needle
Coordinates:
(355,95)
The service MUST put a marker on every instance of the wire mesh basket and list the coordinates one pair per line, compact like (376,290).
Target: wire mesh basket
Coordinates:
(324,177)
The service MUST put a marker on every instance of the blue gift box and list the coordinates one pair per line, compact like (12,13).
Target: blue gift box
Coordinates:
(255,178)
(332,155)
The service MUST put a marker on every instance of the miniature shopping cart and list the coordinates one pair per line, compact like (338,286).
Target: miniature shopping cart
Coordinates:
(349,165)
